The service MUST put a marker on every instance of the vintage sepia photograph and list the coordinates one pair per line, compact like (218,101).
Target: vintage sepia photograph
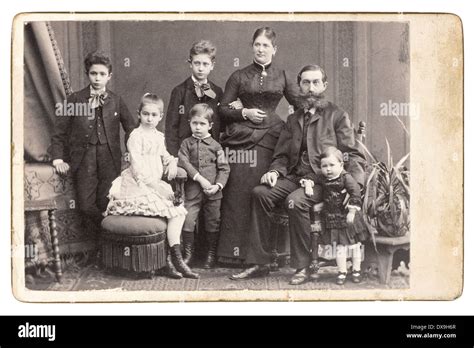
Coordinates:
(237,157)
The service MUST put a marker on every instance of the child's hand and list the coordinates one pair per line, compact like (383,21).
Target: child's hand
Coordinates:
(205,184)
(62,168)
(308,187)
(350,217)
(212,190)
(171,170)
(236,104)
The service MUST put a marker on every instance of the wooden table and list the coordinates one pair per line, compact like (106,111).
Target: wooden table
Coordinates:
(50,206)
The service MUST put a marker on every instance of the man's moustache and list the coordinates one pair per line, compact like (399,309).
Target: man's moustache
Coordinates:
(312,94)
(310,99)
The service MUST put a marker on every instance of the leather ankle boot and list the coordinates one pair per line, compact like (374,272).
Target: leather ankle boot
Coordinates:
(188,247)
(212,239)
(178,262)
(172,272)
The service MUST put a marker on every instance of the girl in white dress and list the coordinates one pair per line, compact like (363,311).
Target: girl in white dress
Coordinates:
(140,190)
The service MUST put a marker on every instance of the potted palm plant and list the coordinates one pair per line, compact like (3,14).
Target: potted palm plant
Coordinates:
(386,201)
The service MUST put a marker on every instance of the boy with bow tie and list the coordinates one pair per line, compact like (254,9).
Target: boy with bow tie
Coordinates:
(88,145)
(194,90)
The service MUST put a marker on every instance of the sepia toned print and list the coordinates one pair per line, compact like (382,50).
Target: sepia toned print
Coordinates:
(237,157)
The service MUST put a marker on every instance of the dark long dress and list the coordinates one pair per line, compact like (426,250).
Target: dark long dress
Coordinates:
(255,90)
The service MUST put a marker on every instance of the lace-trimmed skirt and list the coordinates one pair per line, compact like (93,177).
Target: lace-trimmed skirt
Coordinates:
(126,197)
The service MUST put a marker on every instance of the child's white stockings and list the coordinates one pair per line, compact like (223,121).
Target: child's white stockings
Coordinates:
(173,231)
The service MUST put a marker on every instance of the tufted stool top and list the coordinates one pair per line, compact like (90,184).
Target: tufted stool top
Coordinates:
(133,225)
(139,229)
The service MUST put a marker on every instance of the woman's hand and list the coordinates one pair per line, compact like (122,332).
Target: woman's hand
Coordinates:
(236,104)
(255,115)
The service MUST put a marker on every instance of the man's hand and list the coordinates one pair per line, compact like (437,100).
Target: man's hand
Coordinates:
(269,178)
(62,168)
(212,190)
(255,115)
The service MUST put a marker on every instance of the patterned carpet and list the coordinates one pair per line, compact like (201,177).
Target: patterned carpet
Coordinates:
(92,277)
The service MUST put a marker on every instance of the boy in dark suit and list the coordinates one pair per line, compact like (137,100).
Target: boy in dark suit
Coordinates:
(204,160)
(87,138)
(194,90)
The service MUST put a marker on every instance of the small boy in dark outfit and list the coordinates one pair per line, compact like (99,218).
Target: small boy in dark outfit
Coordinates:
(204,160)
(88,142)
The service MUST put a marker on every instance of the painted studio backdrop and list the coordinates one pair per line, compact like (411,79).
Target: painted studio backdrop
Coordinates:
(367,64)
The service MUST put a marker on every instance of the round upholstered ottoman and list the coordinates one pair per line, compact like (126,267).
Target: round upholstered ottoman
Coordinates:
(133,243)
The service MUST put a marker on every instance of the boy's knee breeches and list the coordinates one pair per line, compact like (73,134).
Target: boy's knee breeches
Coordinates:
(210,208)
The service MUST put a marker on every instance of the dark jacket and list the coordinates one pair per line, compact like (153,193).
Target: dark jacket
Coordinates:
(73,132)
(329,126)
(207,158)
(334,195)
(183,98)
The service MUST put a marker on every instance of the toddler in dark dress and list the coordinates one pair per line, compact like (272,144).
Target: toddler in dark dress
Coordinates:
(339,214)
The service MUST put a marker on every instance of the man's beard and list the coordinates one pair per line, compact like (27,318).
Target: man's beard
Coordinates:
(311,100)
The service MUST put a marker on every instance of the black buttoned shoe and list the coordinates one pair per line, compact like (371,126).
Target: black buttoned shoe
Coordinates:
(252,272)
(301,276)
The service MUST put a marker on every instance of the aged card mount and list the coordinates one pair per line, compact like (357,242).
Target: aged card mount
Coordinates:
(400,74)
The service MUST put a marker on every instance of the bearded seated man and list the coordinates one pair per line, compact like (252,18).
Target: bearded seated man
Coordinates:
(316,125)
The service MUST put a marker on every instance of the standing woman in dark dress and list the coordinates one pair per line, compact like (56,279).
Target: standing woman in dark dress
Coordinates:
(251,133)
